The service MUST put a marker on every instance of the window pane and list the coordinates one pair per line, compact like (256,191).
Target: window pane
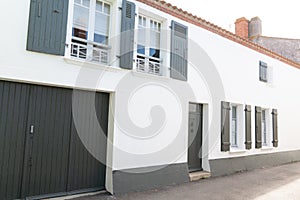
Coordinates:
(79,33)
(194,107)
(86,3)
(154,53)
(81,16)
(99,6)
(234,132)
(142,21)
(234,126)
(151,24)
(100,38)
(263,114)
(155,39)
(106,8)
(233,112)
(142,36)
(264,132)
(263,73)
(102,24)
(141,49)
(264,127)
(78,1)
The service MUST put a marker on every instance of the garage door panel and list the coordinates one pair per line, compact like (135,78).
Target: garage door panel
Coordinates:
(37,138)
(13,109)
(50,114)
(86,171)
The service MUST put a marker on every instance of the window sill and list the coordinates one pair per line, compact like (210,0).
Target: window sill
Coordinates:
(236,151)
(268,83)
(85,63)
(149,75)
(267,148)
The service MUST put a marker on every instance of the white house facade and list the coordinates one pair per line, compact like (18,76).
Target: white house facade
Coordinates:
(133,95)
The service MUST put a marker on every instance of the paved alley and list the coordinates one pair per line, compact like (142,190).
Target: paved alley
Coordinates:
(281,182)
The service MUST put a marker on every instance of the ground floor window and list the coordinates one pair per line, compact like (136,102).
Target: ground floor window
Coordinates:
(236,126)
(265,127)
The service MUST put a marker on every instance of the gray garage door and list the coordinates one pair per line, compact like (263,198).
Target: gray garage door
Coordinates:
(40,151)
(13,115)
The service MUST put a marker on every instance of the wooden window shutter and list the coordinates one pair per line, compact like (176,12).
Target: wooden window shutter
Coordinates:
(179,45)
(225,126)
(47,26)
(248,141)
(275,127)
(127,35)
(258,142)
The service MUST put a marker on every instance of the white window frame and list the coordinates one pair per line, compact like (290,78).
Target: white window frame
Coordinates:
(266,132)
(263,72)
(102,49)
(142,65)
(240,127)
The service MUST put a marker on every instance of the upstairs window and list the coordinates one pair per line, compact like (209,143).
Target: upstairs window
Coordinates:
(90,30)
(263,71)
(148,47)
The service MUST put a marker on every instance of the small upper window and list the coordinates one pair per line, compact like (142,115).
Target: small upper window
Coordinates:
(263,71)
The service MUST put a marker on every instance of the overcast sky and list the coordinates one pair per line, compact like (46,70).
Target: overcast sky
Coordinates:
(280,18)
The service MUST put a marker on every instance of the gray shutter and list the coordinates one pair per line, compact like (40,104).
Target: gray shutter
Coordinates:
(127,35)
(275,128)
(179,43)
(47,26)
(248,141)
(258,127)
(225,126)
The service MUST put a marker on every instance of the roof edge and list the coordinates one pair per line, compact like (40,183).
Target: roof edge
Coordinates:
(281,38)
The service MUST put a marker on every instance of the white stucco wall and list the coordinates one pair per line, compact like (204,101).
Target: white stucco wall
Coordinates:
(210,56)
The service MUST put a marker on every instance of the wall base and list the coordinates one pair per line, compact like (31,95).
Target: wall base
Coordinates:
(147,178)
(226,166)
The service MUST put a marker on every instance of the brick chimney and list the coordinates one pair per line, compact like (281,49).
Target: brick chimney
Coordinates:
(242,27)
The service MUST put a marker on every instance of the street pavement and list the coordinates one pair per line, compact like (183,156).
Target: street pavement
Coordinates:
(276,183)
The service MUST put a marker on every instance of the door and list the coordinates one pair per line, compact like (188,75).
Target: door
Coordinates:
(47,143)
(195,137)
(13,115)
